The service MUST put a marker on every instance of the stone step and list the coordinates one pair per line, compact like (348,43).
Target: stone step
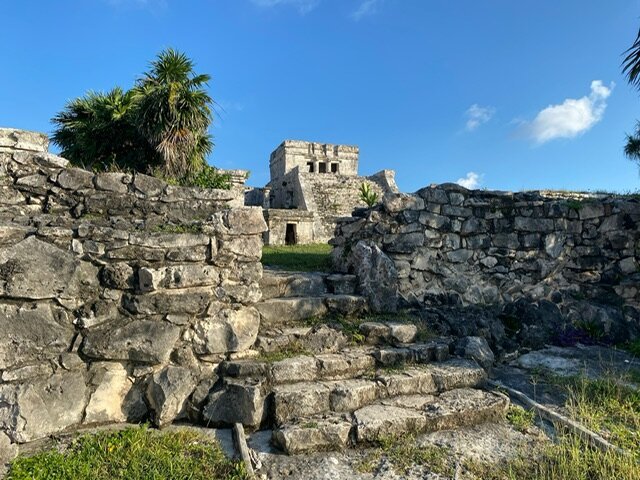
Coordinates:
(390,418)
(349,363)
(289,311)
(286,284)
(303,399)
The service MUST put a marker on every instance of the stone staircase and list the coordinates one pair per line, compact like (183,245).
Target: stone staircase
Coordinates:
(327,393)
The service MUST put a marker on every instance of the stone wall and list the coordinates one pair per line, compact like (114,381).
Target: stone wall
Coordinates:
(450,245)
(119,294)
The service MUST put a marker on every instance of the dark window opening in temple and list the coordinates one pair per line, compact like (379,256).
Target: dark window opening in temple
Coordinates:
(322,167)
(334,168)
(310,165)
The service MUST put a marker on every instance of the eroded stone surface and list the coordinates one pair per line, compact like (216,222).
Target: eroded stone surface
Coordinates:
(376,422)
(33,269)
(316,434)
(144,341)
(38,408)
(167,393)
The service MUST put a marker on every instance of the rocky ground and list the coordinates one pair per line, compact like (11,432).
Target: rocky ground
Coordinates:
(485,443)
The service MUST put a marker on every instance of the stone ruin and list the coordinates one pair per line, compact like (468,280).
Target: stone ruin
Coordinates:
(123,298)
(553,259)
(312,185)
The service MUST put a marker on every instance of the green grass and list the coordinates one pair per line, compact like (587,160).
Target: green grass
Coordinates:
(132,454)
(301,258)
(633,347)
(567,459)
(403,454)
(520,418)
(294,349)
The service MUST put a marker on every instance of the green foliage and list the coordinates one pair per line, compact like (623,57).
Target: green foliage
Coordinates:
(633,347)
(210,177)
(158,127)
(97,132)
(631,68)
(367,195)
(575,205)
(132,454)
(301,258)
(173,113)
(520,418)
(294,349)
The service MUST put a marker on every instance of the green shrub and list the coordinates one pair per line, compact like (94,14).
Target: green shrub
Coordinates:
(367,195)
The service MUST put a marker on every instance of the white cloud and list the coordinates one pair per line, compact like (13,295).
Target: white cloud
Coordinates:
(472,181)
(571,118)
(303,6)
(366,8)
(477,115)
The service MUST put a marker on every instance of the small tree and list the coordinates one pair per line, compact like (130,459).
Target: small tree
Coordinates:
(631,68)
(367,195)
(159,127)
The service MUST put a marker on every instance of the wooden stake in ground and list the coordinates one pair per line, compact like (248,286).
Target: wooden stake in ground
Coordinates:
(241,444)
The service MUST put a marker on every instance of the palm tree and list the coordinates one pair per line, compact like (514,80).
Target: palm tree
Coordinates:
(631,68)
(97,132)
(174,113)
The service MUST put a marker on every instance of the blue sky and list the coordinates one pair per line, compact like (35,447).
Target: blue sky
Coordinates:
(504,94)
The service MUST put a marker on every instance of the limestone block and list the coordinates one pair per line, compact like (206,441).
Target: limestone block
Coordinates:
(476,348)
(33,332)
(184,301)
(177,276)
(227,330)
(296,369)
(167,393)
(239,401)
(434,220)
(299,400)
(321,434)
(113,182)
(8,451)
(146,341)
(397,202)
(377,277)
(528,224)
(375,422)
(33,269)
(11,138)
(349,395)
(38,408)
(115,398)
(463,407)
(148,186)
(75,179)
(590,210)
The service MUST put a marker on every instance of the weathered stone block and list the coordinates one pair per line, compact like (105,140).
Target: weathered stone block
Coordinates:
(227,330)
(145,341)
(33,269)
(167,393)
(38,408)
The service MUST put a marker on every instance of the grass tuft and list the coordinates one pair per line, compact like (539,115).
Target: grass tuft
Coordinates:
(520,418)
(135,453)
